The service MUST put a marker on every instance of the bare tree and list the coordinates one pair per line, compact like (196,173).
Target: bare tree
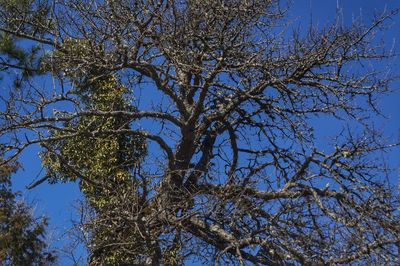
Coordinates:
(226,93)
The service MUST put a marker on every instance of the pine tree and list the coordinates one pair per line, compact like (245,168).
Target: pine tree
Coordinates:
(22,236)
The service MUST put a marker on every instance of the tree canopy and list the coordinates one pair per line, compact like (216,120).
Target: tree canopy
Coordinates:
(188,125)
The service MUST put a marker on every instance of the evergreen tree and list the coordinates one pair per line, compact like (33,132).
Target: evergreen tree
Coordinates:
(22,236)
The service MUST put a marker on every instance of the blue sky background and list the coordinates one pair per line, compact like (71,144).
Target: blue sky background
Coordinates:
(56,201)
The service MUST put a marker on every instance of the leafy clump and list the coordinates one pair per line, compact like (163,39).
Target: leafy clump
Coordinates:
(103,163)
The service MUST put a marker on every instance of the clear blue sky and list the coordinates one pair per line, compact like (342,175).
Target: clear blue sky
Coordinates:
(56,201)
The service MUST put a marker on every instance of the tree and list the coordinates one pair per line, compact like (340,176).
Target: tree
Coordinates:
(21,235)
(228,95)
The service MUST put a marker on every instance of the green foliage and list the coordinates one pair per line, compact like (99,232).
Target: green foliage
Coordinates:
(29,60)
(8,46)
(67,60)
(20,16)
(103,159)
(21,235)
